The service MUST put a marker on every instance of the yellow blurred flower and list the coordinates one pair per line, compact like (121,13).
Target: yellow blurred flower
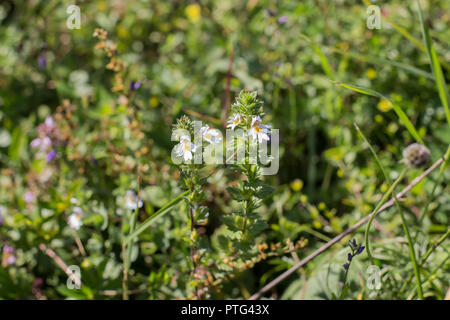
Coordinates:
(193,12)
(304,198)
(384,187)
(122,32)
(384,105)
(102,6)
(371,73)
(317,224)
(153,102)
(322,206)
(297,185)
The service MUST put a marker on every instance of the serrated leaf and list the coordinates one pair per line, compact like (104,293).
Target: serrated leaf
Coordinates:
(264,191)
(236,193)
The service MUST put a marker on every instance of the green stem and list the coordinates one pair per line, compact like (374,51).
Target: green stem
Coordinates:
(430,199)
(293,107)
(425,257)
(374,212)
(412,253)
(432,274)
(125,273)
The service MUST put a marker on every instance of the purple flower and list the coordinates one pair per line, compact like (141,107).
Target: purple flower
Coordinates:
(271,13)
(360,250)
(8,249)
(282,20)
(94,161)
(346,265)
(28,196)
(51,155)
(135,85)
(42,61)
(8,255)
(349,257)
(11,260)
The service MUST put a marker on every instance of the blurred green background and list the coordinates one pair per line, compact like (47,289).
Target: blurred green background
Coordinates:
(184,53)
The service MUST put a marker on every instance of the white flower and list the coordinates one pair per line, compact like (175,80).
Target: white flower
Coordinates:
(234,121)
(259,131)
(75,218)
(210,134)
(43,143)
(131,199)
(49,123)
(185,148)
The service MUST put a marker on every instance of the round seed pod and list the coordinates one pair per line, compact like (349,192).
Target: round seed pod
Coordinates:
(416,155)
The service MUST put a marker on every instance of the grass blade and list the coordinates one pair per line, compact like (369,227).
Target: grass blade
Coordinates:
(382,62)
(144,225)
(400,113)
(323,59)
(412,254)
(435,66)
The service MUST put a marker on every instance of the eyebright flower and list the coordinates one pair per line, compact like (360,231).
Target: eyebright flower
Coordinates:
(259,131)
(416,155)
(210,134)
(131,199)
(74,220)
(185,148)
(234,121)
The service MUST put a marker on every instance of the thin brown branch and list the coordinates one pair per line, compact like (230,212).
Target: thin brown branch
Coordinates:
(201,116)
(60,263)
(336,239)
(78,242)
(226,106)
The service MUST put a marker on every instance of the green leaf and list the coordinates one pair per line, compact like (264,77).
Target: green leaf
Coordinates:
(258,226)
(230,222)
(236,193)
(18,144)
(264,191)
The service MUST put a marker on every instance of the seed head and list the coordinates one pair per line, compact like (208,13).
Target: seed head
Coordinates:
(416,155)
